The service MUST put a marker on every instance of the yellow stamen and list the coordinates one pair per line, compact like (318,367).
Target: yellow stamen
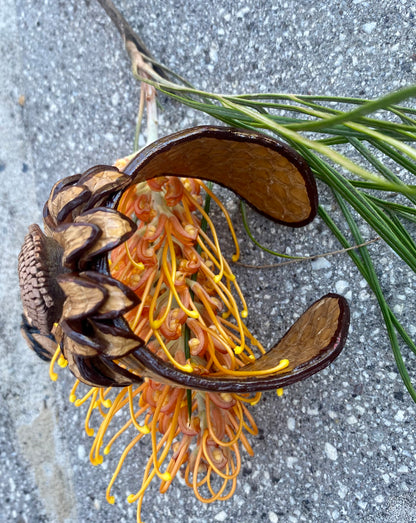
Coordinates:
(282,365)
(129,422)
(106,402)
(52,374)
(147,478)
(203,236)
(156,323)
(246,444)
(138,265)
(215,495)
(171,431)
(244,312)
(253,428)
(143,429)
(252,339)
(109,498)
(88,429)
(252,401)
(107,448)
(213,316)
(227,270)
(229,301)
(82,400)
(62,362)
(218,276)
(170,278)
(175,464)
(95,456)
(188,471)
(72,395)
(195,484)
(186,368)
(235,256)
(230,493)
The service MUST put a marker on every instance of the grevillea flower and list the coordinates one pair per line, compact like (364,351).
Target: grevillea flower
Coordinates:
(129,287)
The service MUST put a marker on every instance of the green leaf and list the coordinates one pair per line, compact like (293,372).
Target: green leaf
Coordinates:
(380,131)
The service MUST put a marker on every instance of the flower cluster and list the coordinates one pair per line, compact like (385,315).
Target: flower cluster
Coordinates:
(190,314)
(129,281)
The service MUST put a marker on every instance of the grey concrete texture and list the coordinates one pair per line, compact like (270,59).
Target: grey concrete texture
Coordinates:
(339,446)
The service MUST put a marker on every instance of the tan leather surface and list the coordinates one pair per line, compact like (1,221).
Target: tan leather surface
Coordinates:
(96,182)
(82,297)
(113,225)
(259,174)
(65,197)
(306,339)
(74,238)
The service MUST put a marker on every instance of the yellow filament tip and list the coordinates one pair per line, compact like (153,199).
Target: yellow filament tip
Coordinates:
(145,429)
(62,361)
(97,461)
(139,265)
(107,450)
(251,357)
(185,368)
(282,365)
(166,476)
(238,349)
(89,431)
(235,257)
(131,498)
(244,313)
(279,392)
(72,396)
(111,500)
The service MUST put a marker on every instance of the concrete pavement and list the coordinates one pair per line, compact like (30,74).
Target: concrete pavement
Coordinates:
(337,447)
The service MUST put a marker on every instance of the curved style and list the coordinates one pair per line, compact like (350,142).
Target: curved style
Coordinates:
(69,295)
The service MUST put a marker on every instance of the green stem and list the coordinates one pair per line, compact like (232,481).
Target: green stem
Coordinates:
(262,247)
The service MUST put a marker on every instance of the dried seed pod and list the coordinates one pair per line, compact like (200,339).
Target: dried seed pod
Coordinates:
(65,276)
(39,264)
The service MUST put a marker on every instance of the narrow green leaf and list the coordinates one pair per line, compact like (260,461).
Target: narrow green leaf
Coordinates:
(262,247)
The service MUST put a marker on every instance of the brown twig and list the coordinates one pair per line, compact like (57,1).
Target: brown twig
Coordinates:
(138,53)
(143,64)
(307,258)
